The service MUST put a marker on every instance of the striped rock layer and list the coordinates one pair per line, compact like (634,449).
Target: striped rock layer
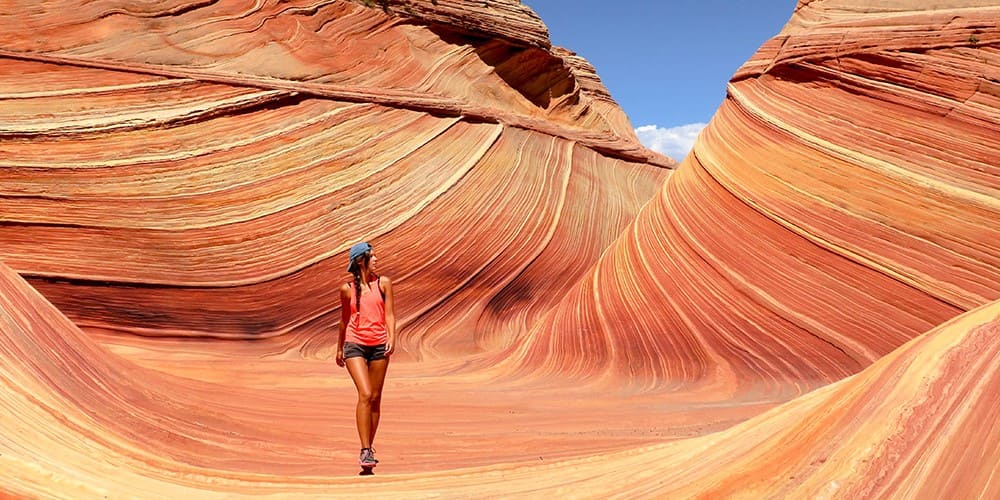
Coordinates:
(910,425)
(179,182)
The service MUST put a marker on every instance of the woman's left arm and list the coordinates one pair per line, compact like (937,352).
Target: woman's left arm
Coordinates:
(390,313)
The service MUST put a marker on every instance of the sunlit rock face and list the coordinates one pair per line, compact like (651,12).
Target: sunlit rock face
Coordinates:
(843,199)
(179,182)
(199,168)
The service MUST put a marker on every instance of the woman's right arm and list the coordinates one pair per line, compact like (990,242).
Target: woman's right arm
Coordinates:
(345,317)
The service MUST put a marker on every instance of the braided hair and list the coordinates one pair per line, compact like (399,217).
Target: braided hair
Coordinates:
(356,271)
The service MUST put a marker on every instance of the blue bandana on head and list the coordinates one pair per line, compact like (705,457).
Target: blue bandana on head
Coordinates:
(357,250)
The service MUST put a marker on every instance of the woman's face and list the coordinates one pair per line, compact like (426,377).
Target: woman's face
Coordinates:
(373,263)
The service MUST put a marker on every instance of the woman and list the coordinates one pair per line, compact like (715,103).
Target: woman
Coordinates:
(367,334)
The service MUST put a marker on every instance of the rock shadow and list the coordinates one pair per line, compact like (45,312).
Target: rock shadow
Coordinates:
(533,72)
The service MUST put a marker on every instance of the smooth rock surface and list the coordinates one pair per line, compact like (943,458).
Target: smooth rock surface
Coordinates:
(806,307)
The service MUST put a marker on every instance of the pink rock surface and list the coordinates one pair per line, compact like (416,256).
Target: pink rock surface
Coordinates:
(83,421)
(179,182)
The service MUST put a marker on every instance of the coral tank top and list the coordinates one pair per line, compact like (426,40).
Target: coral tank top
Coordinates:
(368,326)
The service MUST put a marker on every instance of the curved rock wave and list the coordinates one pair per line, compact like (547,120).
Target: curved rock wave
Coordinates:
(842,200)
(157,177)
(894,428)
(179,181)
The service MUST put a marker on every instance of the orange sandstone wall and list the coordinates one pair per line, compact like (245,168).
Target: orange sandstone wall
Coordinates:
(571,315)
(84,423)
(199,168)
(843,200)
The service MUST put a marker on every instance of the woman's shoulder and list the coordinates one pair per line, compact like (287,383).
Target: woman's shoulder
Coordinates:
(384,283)
(346,288)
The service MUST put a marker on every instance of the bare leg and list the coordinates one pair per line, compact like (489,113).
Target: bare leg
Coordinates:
(376,377)
(358,369)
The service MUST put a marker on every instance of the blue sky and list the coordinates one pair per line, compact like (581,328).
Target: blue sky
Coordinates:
(666,62)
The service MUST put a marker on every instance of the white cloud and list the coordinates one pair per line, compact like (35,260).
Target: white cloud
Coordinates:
(675,142)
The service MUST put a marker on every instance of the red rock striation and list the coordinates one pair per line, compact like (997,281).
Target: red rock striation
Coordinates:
(86,423)
(842,200)
(213,153)
(176,173)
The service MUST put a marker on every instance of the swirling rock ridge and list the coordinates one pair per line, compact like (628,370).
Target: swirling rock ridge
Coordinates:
(809,302)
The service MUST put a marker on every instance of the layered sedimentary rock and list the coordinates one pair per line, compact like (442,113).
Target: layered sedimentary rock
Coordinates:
(843,199)
(898,428)
(179,181)
(225,154)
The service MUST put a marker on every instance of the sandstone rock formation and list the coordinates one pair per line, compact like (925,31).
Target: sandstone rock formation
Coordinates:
(179,181)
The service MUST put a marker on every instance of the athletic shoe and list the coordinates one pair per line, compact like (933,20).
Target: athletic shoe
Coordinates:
(367,459)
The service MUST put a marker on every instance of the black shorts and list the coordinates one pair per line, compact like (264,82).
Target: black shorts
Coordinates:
(369,352)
